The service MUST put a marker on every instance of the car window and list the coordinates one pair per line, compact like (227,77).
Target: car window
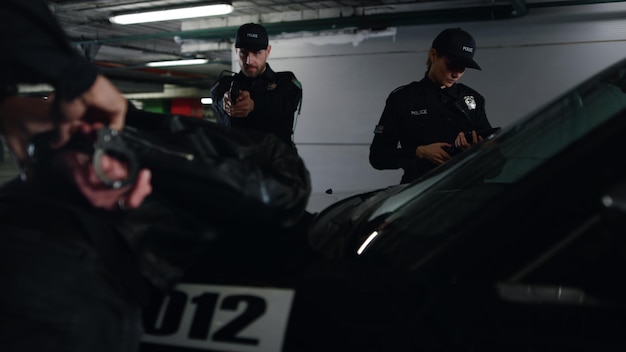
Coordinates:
(432,207)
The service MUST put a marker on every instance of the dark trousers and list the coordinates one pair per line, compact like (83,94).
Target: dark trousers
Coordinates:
(55,295)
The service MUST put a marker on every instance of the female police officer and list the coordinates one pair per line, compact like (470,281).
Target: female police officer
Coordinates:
(423,121)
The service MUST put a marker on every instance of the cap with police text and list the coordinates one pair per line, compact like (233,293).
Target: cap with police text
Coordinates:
(458,46)
(252,36)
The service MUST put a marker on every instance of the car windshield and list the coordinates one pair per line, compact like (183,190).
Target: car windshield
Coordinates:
(499,162)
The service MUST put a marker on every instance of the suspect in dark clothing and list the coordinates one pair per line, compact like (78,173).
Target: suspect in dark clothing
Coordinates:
(422,122)
(59,292)
(261,99)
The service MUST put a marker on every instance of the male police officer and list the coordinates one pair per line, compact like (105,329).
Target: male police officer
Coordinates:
(257,98)
(423,121)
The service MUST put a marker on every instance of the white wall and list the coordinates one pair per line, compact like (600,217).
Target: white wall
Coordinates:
(526,62)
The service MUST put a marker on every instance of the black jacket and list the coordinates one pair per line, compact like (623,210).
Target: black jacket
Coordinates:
(35,50)
(422,113)
(277,97)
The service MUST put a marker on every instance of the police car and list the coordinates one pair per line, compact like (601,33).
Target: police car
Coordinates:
(517,244)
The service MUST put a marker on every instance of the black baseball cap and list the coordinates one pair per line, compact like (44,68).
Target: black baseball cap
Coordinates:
(252,36)
(458,46)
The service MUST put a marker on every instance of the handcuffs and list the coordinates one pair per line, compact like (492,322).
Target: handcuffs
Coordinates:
(107,142)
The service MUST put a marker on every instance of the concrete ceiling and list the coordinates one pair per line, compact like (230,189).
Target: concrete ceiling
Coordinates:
(122,51)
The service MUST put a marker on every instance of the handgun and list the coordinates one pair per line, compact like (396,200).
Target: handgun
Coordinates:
(453,150)
(481,133)
(234,91)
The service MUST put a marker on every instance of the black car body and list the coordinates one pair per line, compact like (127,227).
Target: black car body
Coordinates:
(517,244)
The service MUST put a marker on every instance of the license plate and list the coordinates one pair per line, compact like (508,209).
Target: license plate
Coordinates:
(223,318)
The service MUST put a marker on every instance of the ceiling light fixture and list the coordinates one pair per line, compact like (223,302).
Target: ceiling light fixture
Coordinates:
(186,62)
(172,14)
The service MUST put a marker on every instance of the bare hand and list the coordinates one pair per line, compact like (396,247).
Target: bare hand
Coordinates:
(102,103)
(434,152)
(79,168)
(242,107)
(462,143)
(23,117)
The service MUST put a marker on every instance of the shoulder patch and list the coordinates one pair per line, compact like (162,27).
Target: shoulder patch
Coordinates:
(290,76)
(295,81)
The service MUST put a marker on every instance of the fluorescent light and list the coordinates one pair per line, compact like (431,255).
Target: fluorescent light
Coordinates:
(206,101)
(173,14)
(177,63)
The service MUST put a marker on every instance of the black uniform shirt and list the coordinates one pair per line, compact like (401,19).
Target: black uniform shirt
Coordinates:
(276,95)
(422,113)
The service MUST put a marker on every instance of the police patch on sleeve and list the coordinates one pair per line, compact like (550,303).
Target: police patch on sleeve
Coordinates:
(296,82)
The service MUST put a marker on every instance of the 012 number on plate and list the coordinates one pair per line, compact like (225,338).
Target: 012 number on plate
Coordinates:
(224,318)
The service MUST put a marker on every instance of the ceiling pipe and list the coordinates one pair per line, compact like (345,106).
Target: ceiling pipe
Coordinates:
(490,12)
(541,3)
(500,11)
(519,8)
